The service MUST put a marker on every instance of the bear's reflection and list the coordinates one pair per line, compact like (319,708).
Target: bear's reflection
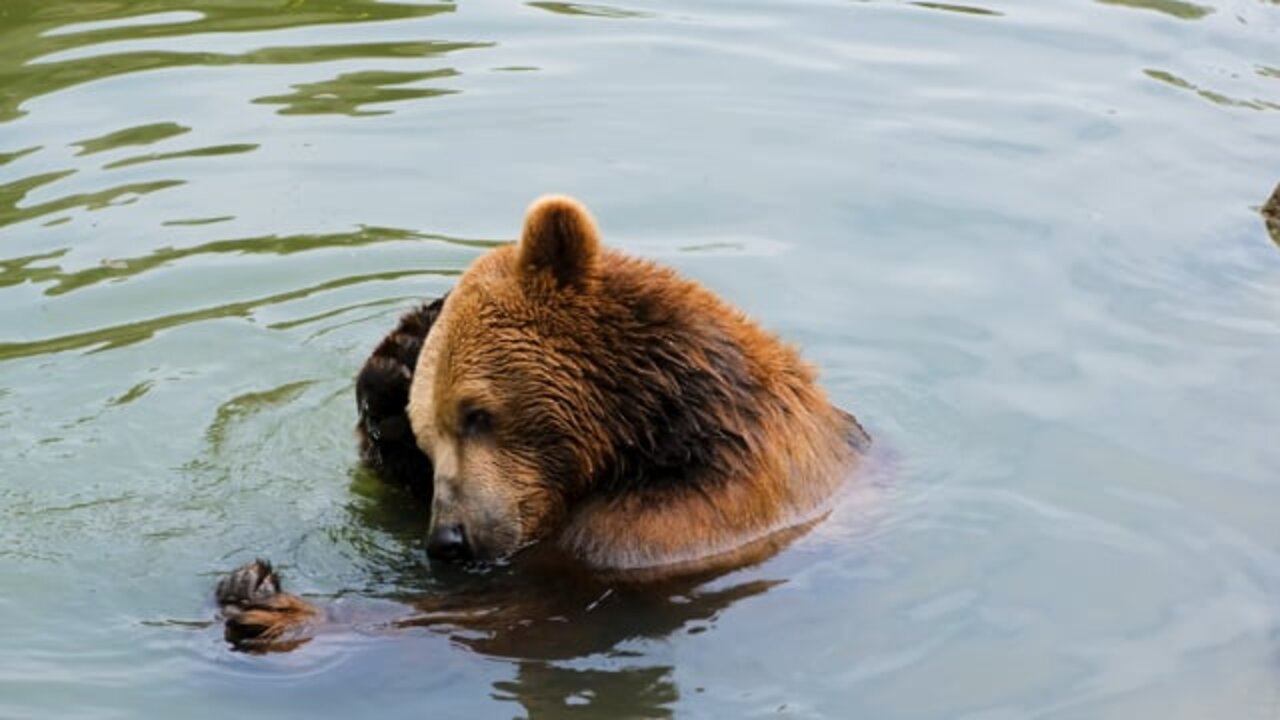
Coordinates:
(543,610)
(546,690)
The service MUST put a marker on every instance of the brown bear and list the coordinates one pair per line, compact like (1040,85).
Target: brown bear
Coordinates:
(568,395)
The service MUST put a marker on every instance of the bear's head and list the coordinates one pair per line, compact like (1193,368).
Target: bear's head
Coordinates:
(505,398)
(569,387)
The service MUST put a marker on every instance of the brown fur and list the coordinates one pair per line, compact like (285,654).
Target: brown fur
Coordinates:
(258,616)
(568,393)
(638,420)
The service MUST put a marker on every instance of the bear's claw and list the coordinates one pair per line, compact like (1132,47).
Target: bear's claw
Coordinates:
(259,616)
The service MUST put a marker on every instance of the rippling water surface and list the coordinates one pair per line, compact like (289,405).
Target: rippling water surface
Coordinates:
(1021,238)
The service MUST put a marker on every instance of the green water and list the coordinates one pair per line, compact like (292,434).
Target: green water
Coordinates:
(1021,239)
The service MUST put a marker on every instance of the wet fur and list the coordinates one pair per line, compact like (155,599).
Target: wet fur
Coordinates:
(670,433)
(663,424)
(258,616)
(385,439)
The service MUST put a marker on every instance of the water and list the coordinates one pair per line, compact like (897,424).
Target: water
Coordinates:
(1020,238)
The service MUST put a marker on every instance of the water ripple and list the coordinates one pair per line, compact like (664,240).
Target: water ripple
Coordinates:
(30,65)
(137,135)
(116,336)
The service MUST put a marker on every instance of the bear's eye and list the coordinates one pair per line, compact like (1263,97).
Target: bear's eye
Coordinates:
(475,422)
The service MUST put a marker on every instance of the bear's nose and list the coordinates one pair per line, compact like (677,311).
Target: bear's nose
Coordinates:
(449,542)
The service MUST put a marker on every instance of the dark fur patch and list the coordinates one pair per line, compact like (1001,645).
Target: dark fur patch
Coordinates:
(382,395)
(677,441)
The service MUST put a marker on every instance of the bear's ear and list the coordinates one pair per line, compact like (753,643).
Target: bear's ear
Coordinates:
(559,240)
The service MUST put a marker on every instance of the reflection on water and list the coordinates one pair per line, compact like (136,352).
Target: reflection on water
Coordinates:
(120,268)
(40,53)
(128,333)
(349,92)
(13,210)
(28,36)
(214,151)
(588,10)
(232,412)
(962,9)
(1172,8)
(8,157)
(140,135)
(1214,97)
(35,269)
(1024,243)
(18,270)
(198,221)
(545,691)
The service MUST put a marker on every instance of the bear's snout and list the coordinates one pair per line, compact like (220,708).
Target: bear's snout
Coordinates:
(449,542)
